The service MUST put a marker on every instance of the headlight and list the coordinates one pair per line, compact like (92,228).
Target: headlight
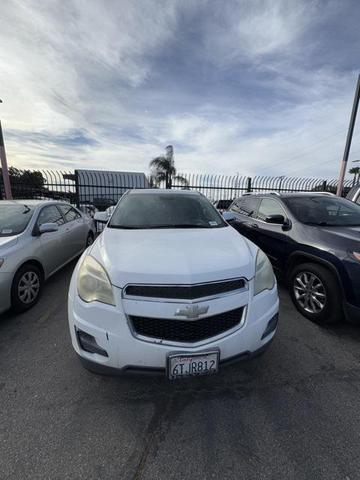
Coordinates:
(93,283)
(264,275)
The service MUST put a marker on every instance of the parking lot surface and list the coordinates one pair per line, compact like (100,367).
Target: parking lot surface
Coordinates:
(294,413)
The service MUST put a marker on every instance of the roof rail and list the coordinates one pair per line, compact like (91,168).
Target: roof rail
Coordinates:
(323,193)
(262,193)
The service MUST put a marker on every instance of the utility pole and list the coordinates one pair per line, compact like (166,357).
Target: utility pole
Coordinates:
(348,139)
(4,167)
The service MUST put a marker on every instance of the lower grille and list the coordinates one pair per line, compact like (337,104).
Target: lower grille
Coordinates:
(186,330)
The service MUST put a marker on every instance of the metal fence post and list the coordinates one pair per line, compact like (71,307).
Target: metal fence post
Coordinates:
(77,193)
(324,186)
(248,184)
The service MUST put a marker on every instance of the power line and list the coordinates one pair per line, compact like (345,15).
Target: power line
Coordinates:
(307,151)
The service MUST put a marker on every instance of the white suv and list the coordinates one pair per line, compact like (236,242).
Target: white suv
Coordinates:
(169,286)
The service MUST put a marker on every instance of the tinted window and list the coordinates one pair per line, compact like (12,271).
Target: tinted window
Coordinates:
(324,210)
(69,212)
(223,204)
(165,210)
(50,214)
(269,206)
(248,205)
(14,218)
(235,206)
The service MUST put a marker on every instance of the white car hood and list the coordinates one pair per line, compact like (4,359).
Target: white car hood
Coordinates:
(174,256)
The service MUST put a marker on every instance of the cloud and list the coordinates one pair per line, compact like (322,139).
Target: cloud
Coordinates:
(239,86)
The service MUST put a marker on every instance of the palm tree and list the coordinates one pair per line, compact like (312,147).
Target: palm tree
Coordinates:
(163,169)
(356,172)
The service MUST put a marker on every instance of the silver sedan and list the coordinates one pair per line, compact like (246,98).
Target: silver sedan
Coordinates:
(37,238)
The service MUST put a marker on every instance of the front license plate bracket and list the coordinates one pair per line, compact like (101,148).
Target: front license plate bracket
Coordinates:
(184,364)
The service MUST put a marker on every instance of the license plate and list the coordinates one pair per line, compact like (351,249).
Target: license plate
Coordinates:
(181,365)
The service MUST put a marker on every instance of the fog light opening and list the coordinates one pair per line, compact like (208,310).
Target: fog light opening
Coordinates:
(88,343)
(271,326)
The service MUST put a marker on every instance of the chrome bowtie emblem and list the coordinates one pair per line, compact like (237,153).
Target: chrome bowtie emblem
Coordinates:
(192,311)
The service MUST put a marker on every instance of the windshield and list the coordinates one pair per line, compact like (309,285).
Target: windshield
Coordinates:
(324,210)
(165,210)
(14,218)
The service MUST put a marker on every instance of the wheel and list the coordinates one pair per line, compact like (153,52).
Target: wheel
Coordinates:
(89,239)
(315,293)
(26,287)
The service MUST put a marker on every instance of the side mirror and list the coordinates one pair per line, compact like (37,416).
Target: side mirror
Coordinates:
(278,219)
(48,227)
(228,217)
(101,217)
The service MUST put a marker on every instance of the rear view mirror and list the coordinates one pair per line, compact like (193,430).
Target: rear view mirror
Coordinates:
(101,217)
(48,227)
(278,219)
(228,216)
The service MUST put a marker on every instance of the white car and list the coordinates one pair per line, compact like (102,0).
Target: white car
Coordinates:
(37,238)
(170,287)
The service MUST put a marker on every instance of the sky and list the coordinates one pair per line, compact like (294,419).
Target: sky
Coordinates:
(253,87)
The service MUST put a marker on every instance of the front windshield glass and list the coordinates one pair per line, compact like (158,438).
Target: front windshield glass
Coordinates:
(324,210)
(165,210)
(14,218)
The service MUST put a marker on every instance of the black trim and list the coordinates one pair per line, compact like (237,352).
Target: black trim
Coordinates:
(188,331)
(271,326)
(88,343)
(185,292)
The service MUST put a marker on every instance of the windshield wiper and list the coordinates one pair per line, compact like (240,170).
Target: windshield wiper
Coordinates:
(149,227)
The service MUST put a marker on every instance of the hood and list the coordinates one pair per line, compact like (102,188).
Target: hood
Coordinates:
(174,256)
(6,242)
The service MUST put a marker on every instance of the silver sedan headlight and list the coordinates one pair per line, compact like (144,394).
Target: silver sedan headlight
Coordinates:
(93,283)
(264,275)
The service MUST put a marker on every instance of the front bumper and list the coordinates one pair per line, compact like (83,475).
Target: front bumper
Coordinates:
(133,370)
(5,291)
(128,352)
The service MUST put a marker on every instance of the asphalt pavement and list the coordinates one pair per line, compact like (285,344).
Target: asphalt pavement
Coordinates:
(293,413)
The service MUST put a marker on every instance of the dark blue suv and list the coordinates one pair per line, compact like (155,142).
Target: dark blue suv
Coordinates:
(314,240)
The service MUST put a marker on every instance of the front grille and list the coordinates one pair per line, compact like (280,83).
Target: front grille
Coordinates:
(186,330)
(185,292)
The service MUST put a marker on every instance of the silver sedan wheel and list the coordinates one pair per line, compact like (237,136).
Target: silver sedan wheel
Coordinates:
(309,292)
(28,287)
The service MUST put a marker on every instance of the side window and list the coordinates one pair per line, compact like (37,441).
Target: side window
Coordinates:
(269,206)
(69,212)
(50,214)
(235,205)
(248,205)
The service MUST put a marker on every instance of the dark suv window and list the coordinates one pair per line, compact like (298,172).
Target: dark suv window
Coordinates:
(248,205)
(269,206)
(50,214)
(69,212)
(324,210)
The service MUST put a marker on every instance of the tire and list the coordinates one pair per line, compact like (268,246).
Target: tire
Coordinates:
(89,239)
(315,293)
(26,288)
